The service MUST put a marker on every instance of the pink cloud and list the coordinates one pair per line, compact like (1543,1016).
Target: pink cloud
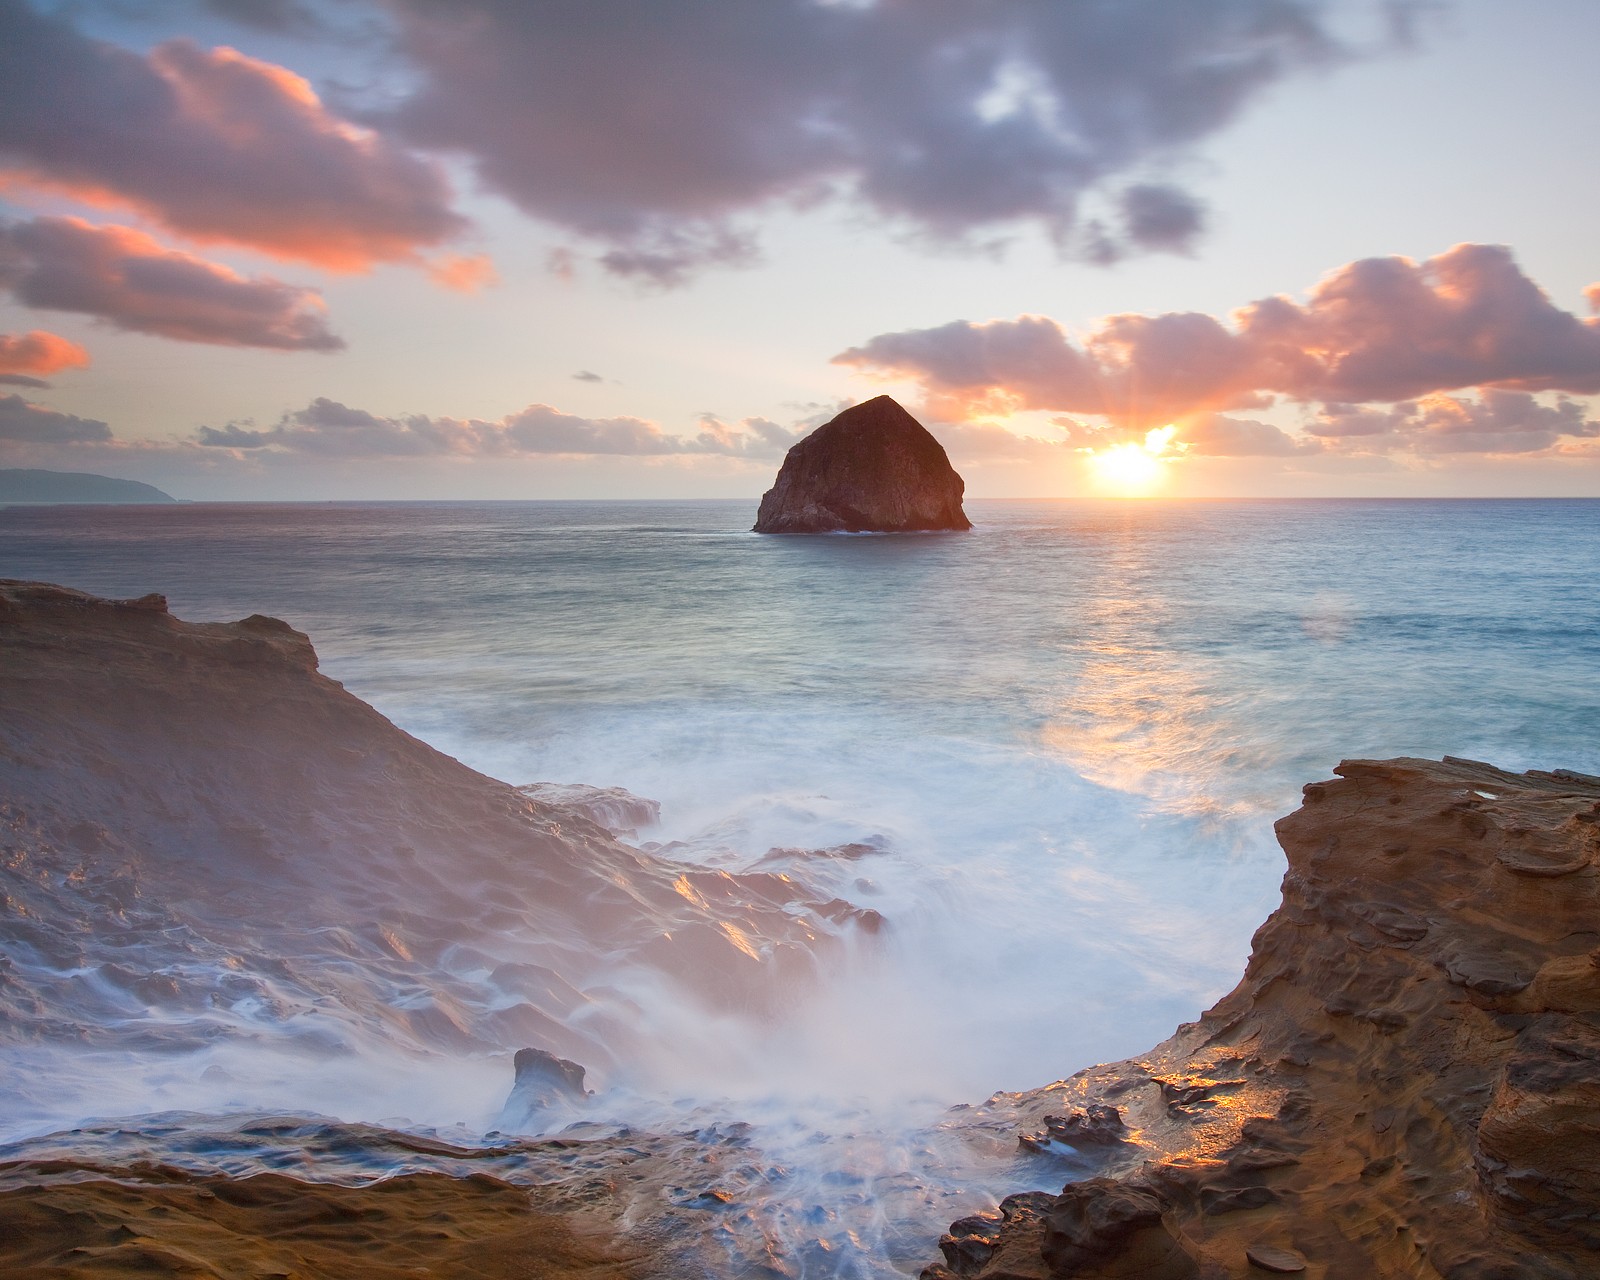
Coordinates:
(464,274)
(125,278)
(1380,330)
(212,144)
(25,357)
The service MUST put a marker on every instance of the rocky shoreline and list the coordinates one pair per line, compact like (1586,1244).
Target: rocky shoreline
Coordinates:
(1406,1082)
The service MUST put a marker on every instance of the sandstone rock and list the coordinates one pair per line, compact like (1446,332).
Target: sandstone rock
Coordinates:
(1406,1082)
(872,469)
(1283,1262)
(1095,1125)
(545,1088)
(1103,1227)
(196,800)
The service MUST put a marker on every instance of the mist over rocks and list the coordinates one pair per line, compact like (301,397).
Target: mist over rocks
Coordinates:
(545,1086)
(210,848)
(1406,1082)
(872,469)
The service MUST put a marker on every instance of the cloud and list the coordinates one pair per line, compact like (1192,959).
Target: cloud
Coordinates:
(278,16)
(211,144)
(326,427)
(24,356)
(22,422)
(979,442)
(1498,421)
(654,128)
(1223,437)
(585,375)
(668,255)
(463,273)
(1385,329)
(127,279)
(1380,330)
(1157,216)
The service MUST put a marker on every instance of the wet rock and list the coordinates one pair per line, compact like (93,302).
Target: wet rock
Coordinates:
(872,469)
(546,1089)
(1407,1079)
(618,811)
(1102,1227)
(788,856)
(1278,1261)
(1095,1125)
(970,1242)
(841,912)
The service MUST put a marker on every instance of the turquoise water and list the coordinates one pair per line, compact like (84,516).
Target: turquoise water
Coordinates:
(1071,728)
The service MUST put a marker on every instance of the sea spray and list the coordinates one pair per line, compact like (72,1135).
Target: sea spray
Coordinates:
(1063,737)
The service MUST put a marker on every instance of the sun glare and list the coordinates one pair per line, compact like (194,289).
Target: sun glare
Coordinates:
(1134,469)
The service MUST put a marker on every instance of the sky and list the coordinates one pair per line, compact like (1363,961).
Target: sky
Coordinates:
(418,249)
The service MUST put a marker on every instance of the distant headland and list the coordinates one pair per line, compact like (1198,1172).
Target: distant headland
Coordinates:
(18,485)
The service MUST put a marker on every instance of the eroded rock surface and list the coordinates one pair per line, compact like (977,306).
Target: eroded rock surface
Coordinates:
(205,841)
(620,812)
(872,469)
(1406,1083)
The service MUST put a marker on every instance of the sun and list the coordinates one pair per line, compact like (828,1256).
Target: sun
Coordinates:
(1134,469)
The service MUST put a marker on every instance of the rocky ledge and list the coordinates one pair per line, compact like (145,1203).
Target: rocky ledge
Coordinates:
(872,469)
(1406,1083)
(193,819)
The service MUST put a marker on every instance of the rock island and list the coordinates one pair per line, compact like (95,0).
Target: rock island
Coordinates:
(872,469)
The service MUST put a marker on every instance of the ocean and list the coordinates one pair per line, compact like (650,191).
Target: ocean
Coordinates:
(1067,733)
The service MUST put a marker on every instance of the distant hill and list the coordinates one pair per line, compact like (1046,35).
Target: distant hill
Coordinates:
(17,485)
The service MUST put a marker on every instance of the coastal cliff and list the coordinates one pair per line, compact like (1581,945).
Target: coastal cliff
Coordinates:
(1406,1082)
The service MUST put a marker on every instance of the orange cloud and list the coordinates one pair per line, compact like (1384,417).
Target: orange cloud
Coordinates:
(215,145)
(464,274)
(37,353)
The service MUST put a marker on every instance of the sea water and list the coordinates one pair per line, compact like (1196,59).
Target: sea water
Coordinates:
(1068,731)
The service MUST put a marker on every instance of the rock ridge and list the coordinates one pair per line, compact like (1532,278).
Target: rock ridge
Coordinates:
(1406,1082)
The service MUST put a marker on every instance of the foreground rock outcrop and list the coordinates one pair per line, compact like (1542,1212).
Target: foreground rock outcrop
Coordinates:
(872,469)
(204,842)
(160,1221)
(1406,1083)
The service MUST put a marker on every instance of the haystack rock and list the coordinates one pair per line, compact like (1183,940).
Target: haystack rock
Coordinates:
(872,469)
(1404,1086)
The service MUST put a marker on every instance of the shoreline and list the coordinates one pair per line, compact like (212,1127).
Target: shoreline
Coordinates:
(1216,1157)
